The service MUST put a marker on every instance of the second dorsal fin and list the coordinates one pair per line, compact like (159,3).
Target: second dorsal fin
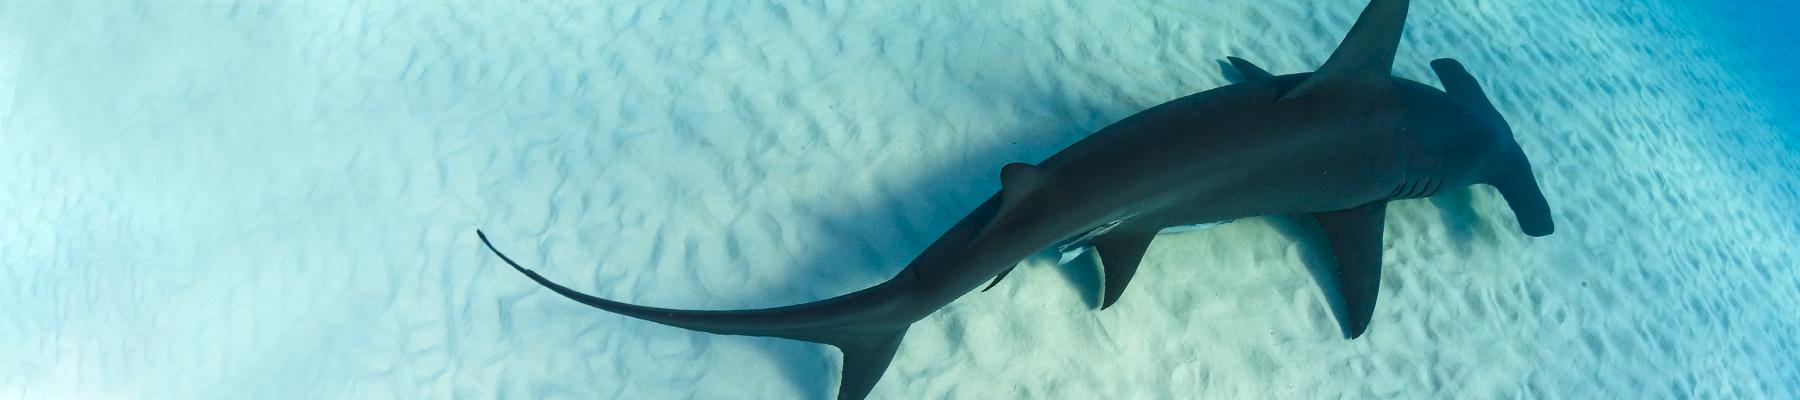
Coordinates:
(1367,51)
(1249,71)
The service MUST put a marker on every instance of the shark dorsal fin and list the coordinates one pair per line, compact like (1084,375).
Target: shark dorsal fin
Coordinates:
(1366,52)
(1017,182)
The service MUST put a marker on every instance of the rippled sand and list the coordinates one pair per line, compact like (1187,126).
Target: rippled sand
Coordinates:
(277,200)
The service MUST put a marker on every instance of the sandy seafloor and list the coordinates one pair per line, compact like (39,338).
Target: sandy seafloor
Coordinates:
(219,200)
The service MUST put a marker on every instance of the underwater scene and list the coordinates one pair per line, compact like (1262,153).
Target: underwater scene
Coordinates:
(823,199)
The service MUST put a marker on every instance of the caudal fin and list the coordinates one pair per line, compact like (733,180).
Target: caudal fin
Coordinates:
(865,326)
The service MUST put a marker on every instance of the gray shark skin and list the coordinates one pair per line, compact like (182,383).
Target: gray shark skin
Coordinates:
(1337,144)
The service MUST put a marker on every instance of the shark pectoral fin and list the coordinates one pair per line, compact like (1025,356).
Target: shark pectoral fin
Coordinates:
(997,278)
(1367,52)
(1120,253)
(1250,71)
(1355,236)
(865,360)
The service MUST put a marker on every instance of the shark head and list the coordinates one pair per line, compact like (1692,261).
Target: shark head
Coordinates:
(1466,92)
(1507,169)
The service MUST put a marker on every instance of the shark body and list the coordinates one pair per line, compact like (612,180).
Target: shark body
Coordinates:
(1338,144)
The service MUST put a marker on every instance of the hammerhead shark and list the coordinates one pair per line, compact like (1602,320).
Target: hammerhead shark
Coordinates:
(1338,144)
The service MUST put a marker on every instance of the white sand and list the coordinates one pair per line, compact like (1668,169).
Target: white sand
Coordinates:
(277,200)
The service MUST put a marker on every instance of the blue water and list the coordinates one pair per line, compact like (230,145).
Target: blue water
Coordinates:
(277,199)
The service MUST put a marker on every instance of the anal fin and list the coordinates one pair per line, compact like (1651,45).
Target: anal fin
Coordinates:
(997,278)
(1120,253)
(1355,236)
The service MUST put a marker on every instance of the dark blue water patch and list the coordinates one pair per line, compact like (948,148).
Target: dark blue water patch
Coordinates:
(1758,39)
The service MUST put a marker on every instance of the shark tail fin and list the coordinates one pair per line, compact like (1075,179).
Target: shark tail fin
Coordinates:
(865,360)
(862,325)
